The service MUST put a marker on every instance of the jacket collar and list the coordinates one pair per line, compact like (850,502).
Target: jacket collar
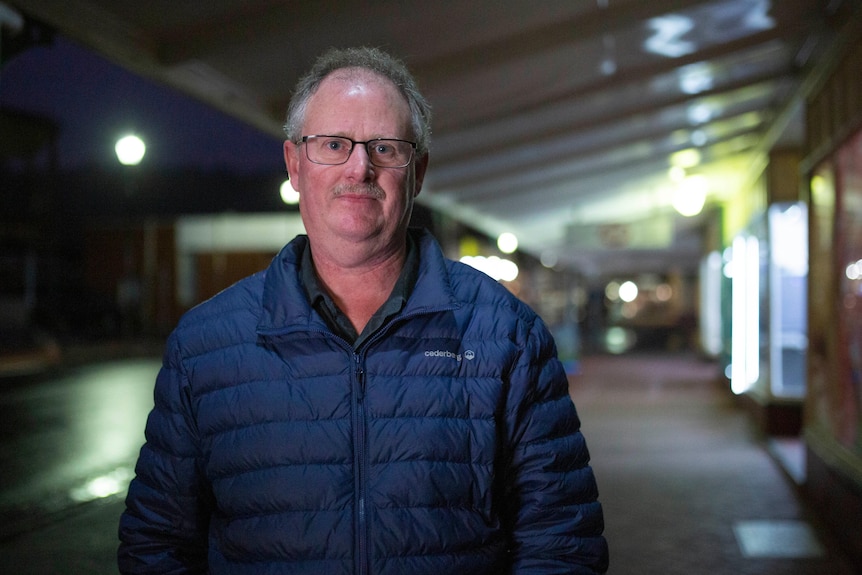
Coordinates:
(285,305)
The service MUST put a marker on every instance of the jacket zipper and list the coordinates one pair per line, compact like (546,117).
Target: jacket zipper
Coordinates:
(361,467)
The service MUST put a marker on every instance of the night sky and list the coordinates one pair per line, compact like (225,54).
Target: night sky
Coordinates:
(95,101)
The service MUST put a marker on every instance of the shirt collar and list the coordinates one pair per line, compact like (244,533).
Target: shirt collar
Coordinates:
(321,302)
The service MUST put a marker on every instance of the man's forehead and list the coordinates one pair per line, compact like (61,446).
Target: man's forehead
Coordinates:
(362,86)
(359,79)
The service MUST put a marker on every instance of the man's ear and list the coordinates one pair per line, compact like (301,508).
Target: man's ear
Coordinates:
(291,162)
(420,167)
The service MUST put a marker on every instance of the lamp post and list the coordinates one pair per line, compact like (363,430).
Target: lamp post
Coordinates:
(130,150)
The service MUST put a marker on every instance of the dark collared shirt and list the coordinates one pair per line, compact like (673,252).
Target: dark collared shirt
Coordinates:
(335,318)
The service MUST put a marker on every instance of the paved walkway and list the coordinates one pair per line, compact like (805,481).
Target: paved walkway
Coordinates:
(687,486)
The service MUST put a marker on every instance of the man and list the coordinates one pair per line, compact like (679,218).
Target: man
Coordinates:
(364,405)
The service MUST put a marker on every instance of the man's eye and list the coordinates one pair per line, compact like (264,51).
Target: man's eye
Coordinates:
(334,145)
(382,149)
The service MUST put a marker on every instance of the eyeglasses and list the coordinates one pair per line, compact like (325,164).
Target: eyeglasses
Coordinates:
(382,152)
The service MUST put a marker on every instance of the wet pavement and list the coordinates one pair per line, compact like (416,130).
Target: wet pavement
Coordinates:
(687,485)
(68,444)
(79,541)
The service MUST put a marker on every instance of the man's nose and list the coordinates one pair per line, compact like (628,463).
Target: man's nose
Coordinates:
(359,160)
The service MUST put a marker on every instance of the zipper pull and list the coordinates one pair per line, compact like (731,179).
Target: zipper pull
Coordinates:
(360,378)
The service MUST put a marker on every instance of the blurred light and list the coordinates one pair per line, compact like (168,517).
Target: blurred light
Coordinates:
(663,292)
(619,340)
(507,242)
(688,158)
(758,18)
(130,150)
(628,291)
(549,259)
(103,486)
(508,270)
(818,184)
(788,228)
(727,258)
(698,138)
(745,315)
(676,174)
(498,268)
(608,66)
(854,271)
(710,308)
(667,37)
(690,195)
(699,113)
(695,78)
(612,291)
(468,246)
(629,310)
(289,195)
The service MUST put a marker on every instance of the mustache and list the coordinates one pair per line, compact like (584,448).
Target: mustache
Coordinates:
(372,190)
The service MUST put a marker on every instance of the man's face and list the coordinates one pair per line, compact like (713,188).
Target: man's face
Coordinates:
(355,201)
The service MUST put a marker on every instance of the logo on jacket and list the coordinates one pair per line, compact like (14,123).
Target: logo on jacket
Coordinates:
(469,354)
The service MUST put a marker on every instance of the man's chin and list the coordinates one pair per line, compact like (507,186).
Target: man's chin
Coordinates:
(359,232)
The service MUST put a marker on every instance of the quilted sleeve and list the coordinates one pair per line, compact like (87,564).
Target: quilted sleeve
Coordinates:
(164,527)
(556,521)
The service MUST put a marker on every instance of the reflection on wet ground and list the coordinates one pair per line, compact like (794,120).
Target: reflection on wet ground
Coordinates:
(70,438)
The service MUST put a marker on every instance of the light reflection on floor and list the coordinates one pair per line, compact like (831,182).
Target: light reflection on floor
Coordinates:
(777,539)
(113,483)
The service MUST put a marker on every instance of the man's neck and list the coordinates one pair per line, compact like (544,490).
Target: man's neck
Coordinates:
(361,287)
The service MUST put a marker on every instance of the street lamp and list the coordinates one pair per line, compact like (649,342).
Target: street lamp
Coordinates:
(130,150)
(288,194)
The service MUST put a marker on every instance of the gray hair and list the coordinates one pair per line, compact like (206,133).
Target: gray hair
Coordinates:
(374,60)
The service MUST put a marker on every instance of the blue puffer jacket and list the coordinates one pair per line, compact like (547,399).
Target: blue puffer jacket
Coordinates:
(447,443)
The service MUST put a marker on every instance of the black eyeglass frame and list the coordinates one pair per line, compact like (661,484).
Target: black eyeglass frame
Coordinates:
(413,146)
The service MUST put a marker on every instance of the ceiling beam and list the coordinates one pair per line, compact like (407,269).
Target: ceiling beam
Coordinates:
(582,126)
(446,176)
(624,77)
